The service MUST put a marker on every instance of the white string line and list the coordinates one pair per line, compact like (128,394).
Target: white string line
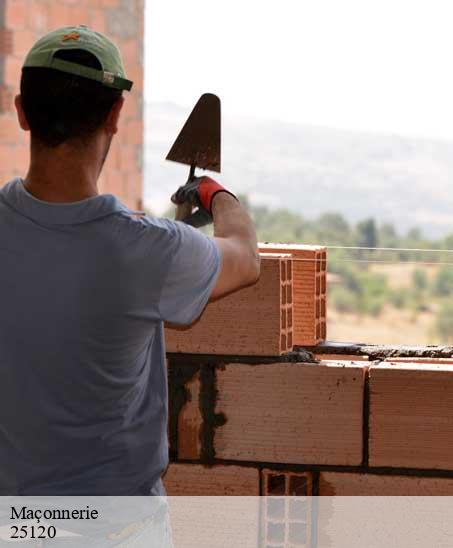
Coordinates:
(390,249)
(372,261)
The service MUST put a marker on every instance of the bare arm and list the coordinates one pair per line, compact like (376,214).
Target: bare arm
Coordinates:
(235,236)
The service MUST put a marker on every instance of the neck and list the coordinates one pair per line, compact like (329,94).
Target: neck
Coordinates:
(64,173)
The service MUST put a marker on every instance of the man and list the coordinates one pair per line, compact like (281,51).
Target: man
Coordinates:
(85,287)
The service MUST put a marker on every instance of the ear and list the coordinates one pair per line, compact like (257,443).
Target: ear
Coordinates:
(20,113)
(111,124)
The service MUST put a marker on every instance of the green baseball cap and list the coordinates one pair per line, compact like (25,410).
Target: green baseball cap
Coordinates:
(112,75)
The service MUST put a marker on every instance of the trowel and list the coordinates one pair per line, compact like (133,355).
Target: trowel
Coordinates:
(198,143)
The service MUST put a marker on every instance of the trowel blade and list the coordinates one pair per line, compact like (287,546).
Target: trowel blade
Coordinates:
(198,144)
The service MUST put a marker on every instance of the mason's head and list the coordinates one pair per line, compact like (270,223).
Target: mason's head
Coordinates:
(71,88)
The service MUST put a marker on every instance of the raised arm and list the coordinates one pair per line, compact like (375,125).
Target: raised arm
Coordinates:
(234,233)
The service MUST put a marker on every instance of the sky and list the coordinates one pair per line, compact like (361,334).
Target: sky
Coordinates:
(371,65)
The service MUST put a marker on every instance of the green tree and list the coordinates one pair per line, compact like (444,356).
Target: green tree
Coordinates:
(419,279)
(443,282)
(444,322)
(367,235)
(388,236)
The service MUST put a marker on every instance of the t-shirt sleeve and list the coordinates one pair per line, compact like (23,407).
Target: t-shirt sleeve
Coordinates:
(192,274)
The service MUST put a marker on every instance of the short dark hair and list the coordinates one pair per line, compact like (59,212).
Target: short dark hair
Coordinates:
(60,107)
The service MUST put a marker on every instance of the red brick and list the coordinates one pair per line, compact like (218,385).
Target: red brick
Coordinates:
(309,289)
(377,485)
(130,52)
(38,17)
(247,322)
(6,99)
(134,132)
(97,21)
(287,511)
(197,480)
(79,15)
(59,15)
(9,129)
(208,522)
(23,42)
(13,70)
(283,483)
(16,14)
(291,413)
(127,157)
(6,42)
(131,108)
(411,416)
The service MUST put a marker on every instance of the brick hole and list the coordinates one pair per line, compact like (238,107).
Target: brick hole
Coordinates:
(289,294)
(323,307)
(298,486)
(283,318)
(283,294)
(323,285)
(289,318)
(318,331)
(283,346)
(275,532)
(275,484)
(297,534)
(289,269)
(323,331)
(298,509)
(275,508)
(318,261)
(318,309)
(324,261)
(290,341)
(318,286)
(283,271)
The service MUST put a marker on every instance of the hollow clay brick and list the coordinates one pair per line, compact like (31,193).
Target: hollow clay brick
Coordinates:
(309,291)
(377,485)
(247,322)
(291,413)
(218,480)
(411,415)
(286,508)
(286,483)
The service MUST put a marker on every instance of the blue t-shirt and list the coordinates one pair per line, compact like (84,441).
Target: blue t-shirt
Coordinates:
(84,290)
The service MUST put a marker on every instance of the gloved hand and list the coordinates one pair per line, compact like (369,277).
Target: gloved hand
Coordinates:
(199,193)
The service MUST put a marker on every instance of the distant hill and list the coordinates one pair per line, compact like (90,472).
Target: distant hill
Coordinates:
(310,170)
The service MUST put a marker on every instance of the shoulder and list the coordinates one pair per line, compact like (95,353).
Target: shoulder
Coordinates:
(144,230)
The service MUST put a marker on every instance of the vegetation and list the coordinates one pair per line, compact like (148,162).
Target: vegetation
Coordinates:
(362,286)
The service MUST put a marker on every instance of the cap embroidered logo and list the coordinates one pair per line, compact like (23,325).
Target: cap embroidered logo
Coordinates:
(72,36)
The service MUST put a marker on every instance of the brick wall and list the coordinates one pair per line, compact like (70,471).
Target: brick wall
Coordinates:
(354,428)
(22,22)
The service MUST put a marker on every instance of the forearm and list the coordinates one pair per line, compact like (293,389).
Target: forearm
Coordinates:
(231,220)
(235,233)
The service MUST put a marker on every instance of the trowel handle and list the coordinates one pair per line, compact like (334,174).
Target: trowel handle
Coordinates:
(184,210)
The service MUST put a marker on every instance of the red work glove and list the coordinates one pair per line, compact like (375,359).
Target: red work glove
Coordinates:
(199,193)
